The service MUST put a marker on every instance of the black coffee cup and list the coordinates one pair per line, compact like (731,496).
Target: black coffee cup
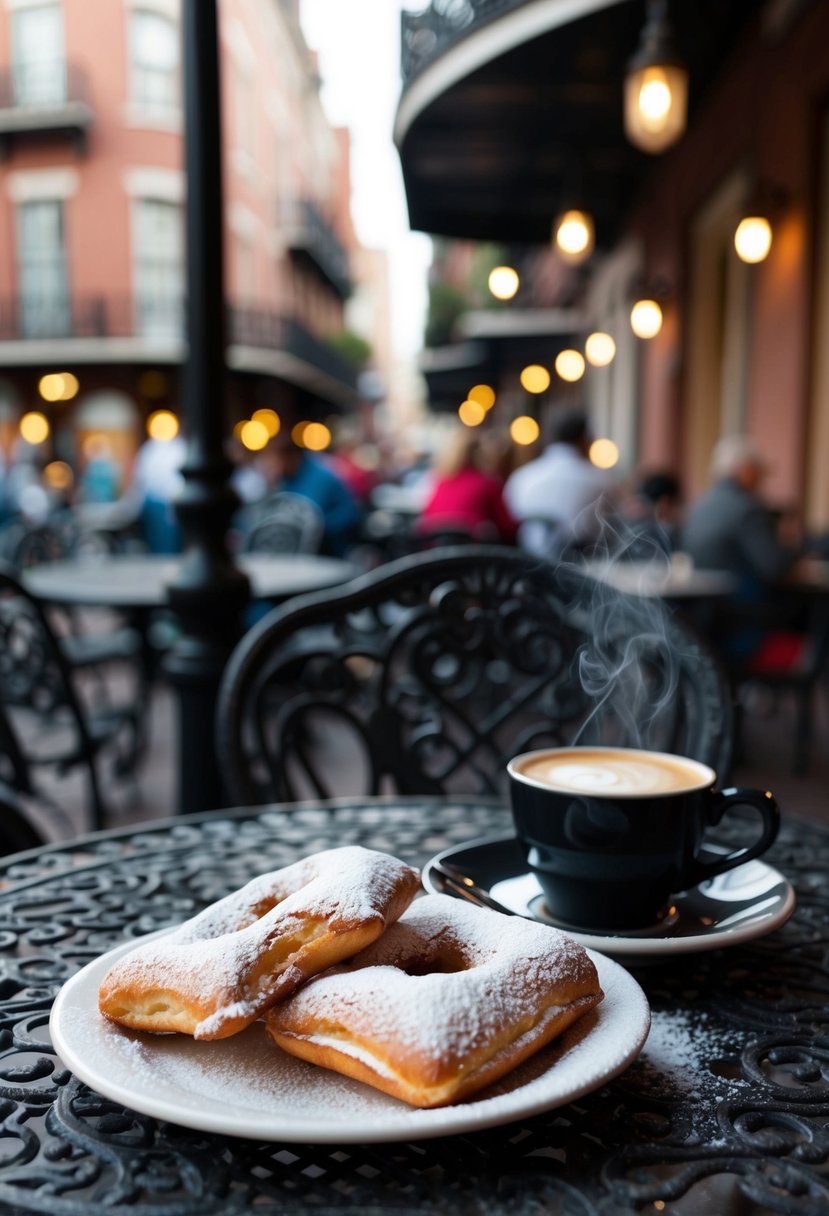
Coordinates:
(612,833)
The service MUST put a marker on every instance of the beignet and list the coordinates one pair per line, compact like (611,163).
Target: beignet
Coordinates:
(222,969)
(448,1000)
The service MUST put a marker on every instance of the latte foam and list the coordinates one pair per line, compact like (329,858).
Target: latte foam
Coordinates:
(612,771)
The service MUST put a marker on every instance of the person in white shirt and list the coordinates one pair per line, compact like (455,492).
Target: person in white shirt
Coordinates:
(560,497)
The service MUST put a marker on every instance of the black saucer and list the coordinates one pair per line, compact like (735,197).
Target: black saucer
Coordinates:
(740,905)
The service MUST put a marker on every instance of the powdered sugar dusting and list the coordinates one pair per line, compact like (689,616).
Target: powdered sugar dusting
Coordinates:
(501,972)
(245,1086)
(213,962)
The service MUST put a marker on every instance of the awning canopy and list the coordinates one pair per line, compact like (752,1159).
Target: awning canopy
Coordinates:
(520,116)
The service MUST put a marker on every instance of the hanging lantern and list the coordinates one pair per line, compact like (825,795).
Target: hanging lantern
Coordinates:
(656,86)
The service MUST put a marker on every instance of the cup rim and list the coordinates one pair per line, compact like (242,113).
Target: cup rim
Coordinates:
(707,774)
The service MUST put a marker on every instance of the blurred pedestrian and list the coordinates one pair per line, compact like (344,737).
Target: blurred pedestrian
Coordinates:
(464,494)
(156,484)
(288,467)
(100,480)
(561,498)
(730,527)
(650,517)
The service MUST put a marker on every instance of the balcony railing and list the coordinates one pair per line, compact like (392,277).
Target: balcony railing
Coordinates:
(270,331)
(59,316)
(40,98)
(429,34)
(160,319)
(308,233)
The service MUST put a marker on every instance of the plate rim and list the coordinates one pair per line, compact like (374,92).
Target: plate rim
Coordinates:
(412,1124)
(629,947)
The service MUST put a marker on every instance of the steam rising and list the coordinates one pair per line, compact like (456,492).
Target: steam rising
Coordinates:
(629,669)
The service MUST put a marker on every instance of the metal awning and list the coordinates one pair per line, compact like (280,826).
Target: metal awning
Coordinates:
(517,116)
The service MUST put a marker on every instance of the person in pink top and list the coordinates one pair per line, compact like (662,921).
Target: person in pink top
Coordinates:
(465,495)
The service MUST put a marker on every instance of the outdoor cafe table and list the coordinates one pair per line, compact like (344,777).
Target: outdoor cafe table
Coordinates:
(140,582)
(676,580)
(724,1111)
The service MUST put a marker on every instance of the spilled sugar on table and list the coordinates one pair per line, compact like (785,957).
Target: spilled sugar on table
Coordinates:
(725,1109)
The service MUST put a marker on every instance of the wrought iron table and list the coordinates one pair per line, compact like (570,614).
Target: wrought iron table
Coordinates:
(141,582)
(725,1111)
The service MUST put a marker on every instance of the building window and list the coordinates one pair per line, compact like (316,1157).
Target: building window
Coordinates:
(159,268)
(154,57)
(45,310)
(38,56)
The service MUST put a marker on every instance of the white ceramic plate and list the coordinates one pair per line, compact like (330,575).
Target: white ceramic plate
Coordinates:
(245,1086)
(744,903)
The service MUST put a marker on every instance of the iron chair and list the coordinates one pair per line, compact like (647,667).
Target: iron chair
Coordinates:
(427,674)
(52,725)
(799,681)
(285,523)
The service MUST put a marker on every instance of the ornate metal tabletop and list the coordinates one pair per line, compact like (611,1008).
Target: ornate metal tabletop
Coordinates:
(725,1110)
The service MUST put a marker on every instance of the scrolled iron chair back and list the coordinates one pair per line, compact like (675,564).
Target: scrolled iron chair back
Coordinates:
(36,682)
(428,674)
(32,670)
(285,523)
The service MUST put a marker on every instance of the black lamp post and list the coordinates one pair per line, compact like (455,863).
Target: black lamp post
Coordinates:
(210,592)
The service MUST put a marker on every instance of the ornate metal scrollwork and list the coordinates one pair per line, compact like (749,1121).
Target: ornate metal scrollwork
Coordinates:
(728,1103)
(436,673)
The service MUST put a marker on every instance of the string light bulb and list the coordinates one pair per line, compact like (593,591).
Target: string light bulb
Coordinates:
(599,349)
(503,282)
(574,236)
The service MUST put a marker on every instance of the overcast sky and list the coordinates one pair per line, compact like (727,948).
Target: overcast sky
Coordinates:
(358,42)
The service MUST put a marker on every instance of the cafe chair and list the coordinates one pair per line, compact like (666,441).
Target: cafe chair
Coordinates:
(428,674)
(54,726)
(17,831)
(23,544)
(285,523)
(797,680)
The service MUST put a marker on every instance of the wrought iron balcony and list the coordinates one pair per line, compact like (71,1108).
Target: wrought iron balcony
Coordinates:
(39,99)
(309,235)
(270,331)
(156,322)
(426,35)
(59,315)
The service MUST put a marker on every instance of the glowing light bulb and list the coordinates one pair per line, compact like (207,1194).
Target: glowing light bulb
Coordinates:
(654,99)
(316,437)
(162,425)
(570,365)
(34,427)
(600,349)
(58,386)
(58,475)
(269,419)
(253,435)
(471,413)
(752,240)
(524,430)
(575,236)
(484,394)
(646,318)
(603,453)
(535,378)
(503,282)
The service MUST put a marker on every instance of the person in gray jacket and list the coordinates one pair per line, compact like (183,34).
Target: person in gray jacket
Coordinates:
(731,528)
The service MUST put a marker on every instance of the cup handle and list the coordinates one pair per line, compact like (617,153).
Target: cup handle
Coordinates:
(707,863)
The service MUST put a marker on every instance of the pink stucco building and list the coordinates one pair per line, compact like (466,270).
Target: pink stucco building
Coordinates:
(91,234)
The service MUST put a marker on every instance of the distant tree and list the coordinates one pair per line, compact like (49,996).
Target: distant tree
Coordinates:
(446,304)
(351,347)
